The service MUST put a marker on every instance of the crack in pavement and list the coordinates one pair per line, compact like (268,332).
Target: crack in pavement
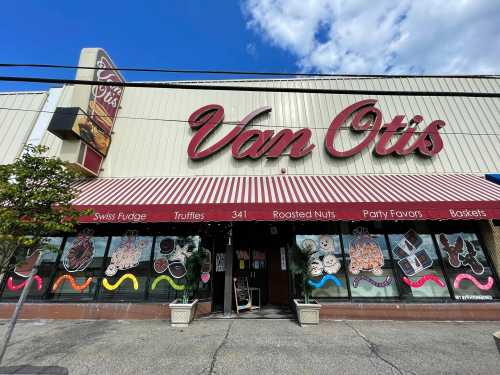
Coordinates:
(216,352)
(374,350)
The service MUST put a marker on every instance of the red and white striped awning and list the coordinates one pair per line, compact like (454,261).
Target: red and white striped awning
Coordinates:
(292,198)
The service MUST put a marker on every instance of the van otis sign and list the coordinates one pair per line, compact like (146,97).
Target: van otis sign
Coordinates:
(396,136)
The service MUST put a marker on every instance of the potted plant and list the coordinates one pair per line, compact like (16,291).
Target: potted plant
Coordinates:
(307,309)
(182,312)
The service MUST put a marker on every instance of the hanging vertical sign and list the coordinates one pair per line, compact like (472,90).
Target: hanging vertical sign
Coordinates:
(283,258)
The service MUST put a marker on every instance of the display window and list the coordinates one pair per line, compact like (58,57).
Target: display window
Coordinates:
(417,265)
(126,268)
(16,280)
(468,269)
(79,268)
(370,268)
(327,269)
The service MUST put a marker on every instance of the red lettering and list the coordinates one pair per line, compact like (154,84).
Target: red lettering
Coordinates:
(359,110)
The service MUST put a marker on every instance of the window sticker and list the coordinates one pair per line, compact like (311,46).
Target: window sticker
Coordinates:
(108,286)
(322,260)
(424,279)
(169,280)
(220,262)
(379,284)
(461,253)
(81,252)
(365,253)
(413,258)
(465,276)
(206,267)
(454,250)
(126,255)
(172,255)
(15,287)
(26,266)
(79,288)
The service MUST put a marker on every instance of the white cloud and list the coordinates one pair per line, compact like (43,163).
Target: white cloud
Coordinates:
(383,36)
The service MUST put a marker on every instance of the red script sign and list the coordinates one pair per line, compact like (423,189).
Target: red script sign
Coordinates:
(394,137)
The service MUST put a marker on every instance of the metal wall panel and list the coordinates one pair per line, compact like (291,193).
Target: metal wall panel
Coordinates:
(151,133)
(18,113)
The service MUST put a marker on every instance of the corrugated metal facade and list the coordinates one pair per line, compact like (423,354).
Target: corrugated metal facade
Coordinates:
(151,134)
(18,114)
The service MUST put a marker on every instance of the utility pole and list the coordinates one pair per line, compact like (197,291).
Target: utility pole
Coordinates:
(19,305)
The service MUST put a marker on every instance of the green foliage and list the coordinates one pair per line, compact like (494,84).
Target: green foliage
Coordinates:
(35,196)
(193,273)
(299,266)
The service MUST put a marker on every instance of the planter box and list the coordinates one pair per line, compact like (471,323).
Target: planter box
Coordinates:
(496,336)
(181,314)
(307,313)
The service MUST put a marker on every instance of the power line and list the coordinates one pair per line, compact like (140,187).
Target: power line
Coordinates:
(248,88)
(238,72)
(284,126)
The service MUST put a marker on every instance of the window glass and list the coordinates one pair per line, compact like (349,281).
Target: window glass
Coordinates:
(467,267)
(369,264)
(79,268)
(417,265)
(169,267)
(127,268)
(326,265)
(16,279)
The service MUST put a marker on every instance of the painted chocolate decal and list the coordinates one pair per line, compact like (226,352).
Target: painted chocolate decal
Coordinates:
(461,253)
(413,258)
(395,135)
(26,266)
(365,253)
(81,252)
(126,255)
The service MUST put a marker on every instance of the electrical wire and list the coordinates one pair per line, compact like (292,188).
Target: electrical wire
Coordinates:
(284,126)
(236,72)
(198,86)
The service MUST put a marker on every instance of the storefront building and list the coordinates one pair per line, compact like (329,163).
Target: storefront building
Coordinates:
(387,182)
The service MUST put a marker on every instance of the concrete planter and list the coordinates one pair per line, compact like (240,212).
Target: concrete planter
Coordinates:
(496,336)
(181,314)
(307,313)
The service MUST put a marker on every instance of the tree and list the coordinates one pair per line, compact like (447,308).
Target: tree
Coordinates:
(35,196)
(35,203)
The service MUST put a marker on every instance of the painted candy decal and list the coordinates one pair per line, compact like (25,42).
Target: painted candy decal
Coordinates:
(80,255)
(421,281)
(13,288)
(72,282)
(452,250)
(109,286)
(206,267)
(365,253)
(26,266)
(413,257)
(319,284)
(127,254)
(168,279)
(469,259)
(465,276)
(379,284)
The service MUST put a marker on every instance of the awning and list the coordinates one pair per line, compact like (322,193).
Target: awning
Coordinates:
(289,198)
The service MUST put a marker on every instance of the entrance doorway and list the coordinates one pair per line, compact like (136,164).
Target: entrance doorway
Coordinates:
(258,258)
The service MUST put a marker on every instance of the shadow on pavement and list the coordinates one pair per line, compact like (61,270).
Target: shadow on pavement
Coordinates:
(28,370)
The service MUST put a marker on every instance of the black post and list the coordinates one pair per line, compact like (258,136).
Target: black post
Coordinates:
(228,274)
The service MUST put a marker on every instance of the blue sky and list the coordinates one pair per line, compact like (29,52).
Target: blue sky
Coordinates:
(334,36)
(172,34)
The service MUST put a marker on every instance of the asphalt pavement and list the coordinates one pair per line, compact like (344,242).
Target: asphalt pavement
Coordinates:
(255,347)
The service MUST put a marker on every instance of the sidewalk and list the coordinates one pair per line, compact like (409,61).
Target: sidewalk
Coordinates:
(256,347)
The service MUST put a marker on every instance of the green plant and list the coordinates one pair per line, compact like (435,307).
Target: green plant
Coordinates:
(193,273)
(35,203)
(299,266)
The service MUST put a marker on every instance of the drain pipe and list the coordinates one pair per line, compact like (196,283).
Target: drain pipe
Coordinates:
(228,275)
